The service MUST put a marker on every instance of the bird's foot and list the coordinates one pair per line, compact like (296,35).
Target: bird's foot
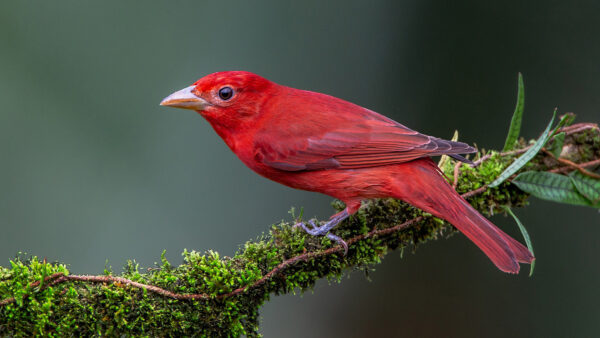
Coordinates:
(340,241)
(325,228)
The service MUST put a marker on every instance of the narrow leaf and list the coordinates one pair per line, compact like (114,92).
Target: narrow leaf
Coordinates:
(557,144)
(445,158)
(529,154)
(565,121)
(517,118)
(525,236)
(551,187)
(587,186)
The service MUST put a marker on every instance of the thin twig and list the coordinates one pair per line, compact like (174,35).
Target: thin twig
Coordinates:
(481,160)
(506,153)
(48,280)
(572,165)
(456,172)
(578,167)
(578,127)
(567,169)
(474,192)
(155,289)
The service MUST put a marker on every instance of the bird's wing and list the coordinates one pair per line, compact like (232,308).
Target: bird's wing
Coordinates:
(349,145)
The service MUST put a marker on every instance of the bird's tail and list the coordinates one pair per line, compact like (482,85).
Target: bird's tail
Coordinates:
(431,193)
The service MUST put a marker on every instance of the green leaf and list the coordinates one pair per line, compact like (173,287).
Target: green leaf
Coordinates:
(557,144)
(551,187)
(587,186)
(517,118)
(529,154)
(525,236)
(565,121)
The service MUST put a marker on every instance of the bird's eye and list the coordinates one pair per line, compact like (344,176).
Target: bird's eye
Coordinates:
(225,93)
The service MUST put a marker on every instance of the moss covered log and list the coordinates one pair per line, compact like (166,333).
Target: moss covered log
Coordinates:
(212,295)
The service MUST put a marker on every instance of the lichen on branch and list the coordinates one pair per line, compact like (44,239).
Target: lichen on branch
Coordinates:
(211,295)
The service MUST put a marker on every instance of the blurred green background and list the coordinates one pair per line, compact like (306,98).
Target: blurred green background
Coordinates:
(93,169)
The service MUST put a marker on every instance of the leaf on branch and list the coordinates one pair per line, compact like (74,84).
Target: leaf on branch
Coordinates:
(517,118)
(551,187)
(565,121)
(557,144)
(529,154)
(557,138)
(587,186)
(445,158)
(525,236)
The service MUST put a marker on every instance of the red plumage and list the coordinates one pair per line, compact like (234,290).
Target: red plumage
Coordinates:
(316,142)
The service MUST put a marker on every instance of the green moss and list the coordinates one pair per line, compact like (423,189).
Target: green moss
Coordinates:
(78,308)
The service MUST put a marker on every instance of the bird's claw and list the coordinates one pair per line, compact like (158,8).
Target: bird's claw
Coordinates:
(324,229)
(313,230)
(340,241)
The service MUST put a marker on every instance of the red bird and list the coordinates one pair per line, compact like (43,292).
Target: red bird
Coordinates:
(316,142)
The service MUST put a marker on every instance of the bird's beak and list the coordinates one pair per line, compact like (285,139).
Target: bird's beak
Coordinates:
(185,99)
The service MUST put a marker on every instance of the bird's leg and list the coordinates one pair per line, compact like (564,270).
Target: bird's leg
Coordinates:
(325,228)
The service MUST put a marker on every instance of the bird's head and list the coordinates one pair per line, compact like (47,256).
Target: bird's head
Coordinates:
(225,98)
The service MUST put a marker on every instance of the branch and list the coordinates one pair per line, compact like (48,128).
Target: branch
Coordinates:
(212,295)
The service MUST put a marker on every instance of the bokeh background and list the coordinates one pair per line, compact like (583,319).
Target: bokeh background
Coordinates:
(92,169)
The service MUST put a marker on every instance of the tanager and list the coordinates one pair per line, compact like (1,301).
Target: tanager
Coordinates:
(316,142)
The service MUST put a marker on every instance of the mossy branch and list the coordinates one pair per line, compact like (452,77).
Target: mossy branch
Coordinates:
(209,295)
